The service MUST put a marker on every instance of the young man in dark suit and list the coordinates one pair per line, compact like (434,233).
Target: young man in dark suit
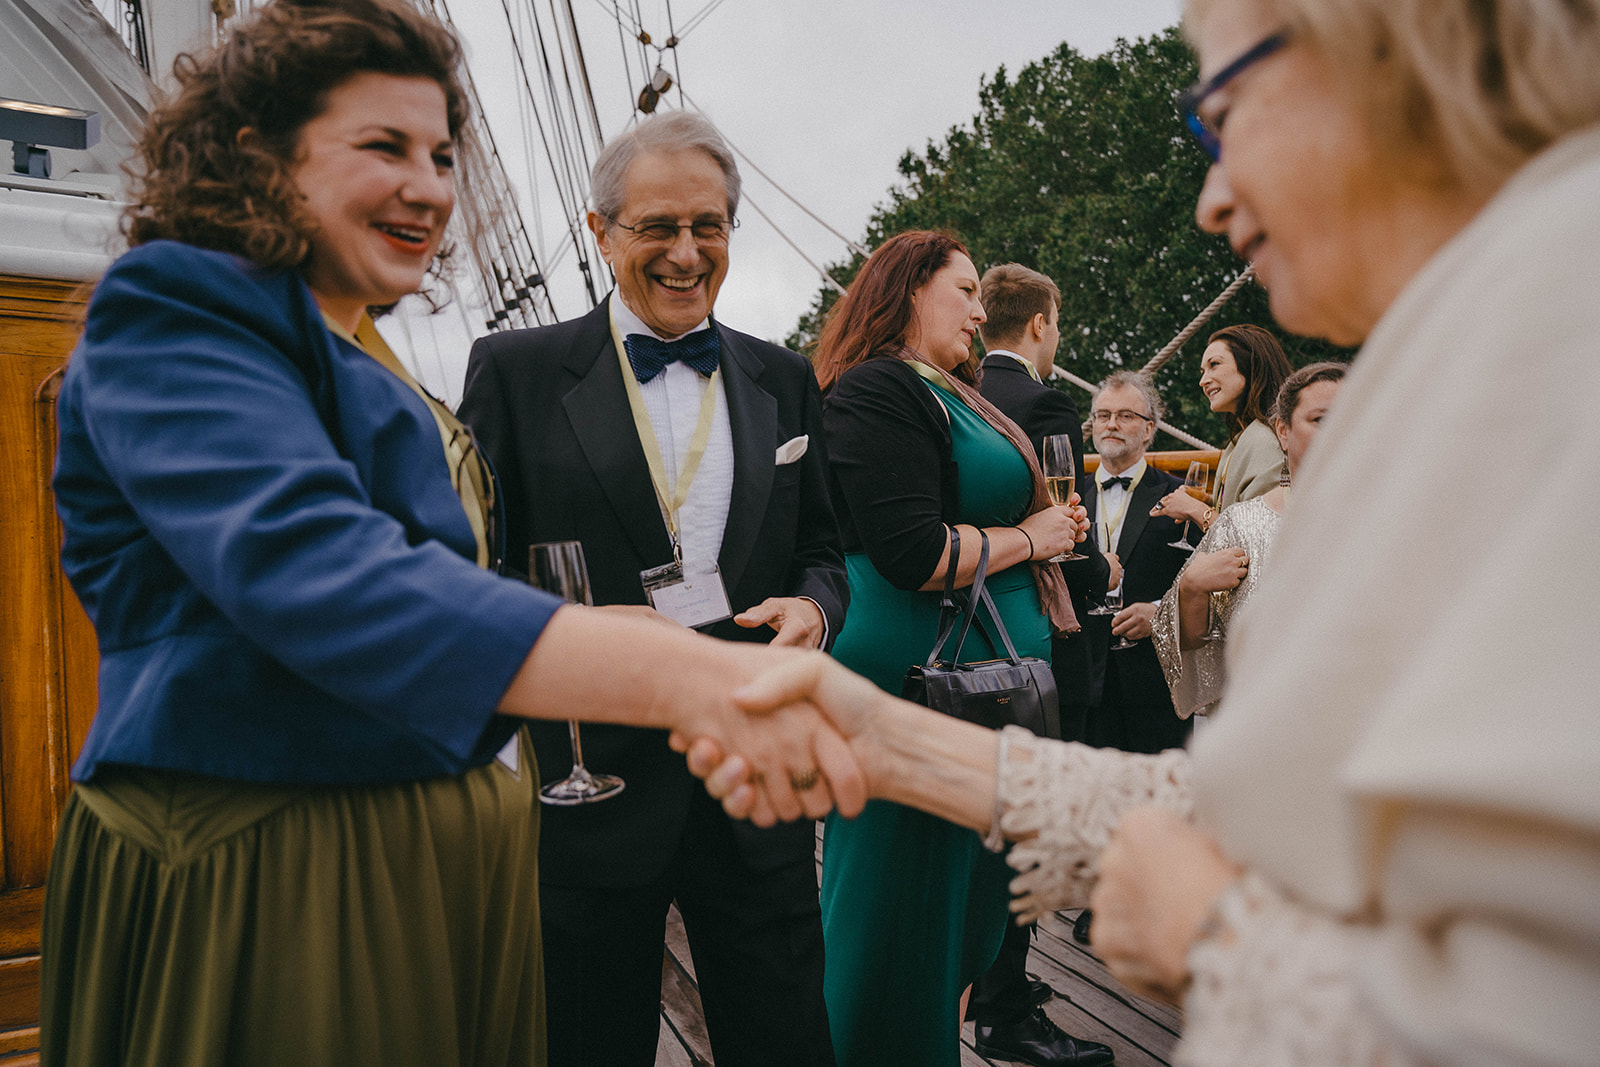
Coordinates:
(1020,337)
(689,460)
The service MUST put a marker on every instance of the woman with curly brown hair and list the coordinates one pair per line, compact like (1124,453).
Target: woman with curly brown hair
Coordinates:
(305,823)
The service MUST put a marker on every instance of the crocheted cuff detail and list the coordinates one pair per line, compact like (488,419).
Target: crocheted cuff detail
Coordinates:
(1060,802)
(1274,986)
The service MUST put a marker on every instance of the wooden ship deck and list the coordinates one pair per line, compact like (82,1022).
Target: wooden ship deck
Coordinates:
(1088,1002)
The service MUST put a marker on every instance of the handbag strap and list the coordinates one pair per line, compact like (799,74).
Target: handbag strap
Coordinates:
(951,611)
(999,629)
(949,608)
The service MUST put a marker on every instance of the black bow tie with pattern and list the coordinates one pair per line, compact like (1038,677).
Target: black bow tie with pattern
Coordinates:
(649,356)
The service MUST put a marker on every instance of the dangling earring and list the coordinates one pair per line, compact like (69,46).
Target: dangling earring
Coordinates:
(1283,473)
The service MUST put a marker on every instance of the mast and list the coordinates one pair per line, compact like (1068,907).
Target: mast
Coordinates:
(177,26)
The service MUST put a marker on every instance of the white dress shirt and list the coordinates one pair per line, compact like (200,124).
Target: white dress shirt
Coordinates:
(1111,508)
(672,400)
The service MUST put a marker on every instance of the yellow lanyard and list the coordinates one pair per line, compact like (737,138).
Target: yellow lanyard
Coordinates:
(468,475)
(652,447)
(1025,364)
(1106,521)
(932,374)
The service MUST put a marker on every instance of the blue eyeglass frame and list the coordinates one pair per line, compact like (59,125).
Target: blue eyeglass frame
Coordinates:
(1189,103)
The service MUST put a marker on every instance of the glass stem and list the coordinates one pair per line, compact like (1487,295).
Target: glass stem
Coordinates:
(578,769)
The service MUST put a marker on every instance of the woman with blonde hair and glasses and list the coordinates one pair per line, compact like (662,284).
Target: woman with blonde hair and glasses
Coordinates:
(1386,849)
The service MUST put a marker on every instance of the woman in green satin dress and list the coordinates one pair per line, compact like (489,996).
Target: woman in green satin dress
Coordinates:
(913,907)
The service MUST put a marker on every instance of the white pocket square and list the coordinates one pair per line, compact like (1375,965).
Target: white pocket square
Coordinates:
(792,449)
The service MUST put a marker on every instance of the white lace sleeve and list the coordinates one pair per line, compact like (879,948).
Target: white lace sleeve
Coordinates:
(1060,801)
(1274,986)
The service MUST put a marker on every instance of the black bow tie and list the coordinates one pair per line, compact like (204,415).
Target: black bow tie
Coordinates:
(1123,481)
(649,356)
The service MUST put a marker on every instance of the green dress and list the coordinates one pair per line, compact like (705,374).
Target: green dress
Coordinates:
(196,922)
(913,907)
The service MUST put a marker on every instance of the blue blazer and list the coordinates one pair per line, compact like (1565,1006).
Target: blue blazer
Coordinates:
(260,523)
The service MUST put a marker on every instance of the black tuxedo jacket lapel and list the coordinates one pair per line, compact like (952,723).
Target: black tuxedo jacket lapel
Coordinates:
(1145,496)
(602,421)
(752,419)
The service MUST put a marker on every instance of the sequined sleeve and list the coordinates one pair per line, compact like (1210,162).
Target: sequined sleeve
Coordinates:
(1060,801)
(1196,676)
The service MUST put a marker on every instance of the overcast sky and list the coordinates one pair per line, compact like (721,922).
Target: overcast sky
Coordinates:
(823,95)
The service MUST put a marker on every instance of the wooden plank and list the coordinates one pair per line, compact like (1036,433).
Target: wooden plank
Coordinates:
(19,993)
(678,943)
(681,1010)
(670,1052)
(19,1046)
(20,913)
(1056,944)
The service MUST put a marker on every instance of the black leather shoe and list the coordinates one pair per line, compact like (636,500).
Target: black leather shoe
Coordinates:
(1037,1040)
(1038,993)
(1080,926)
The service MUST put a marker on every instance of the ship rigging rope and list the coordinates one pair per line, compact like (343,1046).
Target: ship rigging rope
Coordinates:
(1171,347)
(1168,350)
(853,246)
(569,185)
(672,42)
(814,265)
(697,19)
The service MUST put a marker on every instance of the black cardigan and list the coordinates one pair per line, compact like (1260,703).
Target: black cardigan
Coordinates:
(893,476)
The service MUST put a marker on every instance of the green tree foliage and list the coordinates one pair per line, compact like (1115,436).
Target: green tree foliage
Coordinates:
(1080,168)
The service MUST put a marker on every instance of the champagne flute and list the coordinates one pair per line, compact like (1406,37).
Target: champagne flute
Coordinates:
(1060,476)
(1194,483)
(1112,605)
(558,567)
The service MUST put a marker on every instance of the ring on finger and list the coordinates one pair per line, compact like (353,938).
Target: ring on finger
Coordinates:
(808,780)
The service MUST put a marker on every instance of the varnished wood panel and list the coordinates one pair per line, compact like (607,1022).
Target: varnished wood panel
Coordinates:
(1172,462)
(19,993)
(20,910)
(47,653)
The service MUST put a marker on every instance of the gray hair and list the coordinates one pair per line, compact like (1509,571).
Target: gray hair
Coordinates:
(671,131)
(1483,85)
(1131,379)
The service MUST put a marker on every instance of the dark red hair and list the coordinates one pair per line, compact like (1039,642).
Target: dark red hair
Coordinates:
(875,314)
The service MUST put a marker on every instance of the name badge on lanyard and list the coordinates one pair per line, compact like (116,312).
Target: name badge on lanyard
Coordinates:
(691,599)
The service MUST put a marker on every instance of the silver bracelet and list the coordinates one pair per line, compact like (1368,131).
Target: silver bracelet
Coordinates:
(995,840)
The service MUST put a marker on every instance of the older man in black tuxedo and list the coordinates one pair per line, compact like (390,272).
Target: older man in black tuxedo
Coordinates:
(1131,708)
(1020,335)
(689,460)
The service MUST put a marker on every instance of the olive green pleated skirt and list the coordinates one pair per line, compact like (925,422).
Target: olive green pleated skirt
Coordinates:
(190,921)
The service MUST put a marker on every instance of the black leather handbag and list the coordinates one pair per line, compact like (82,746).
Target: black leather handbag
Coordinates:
(993,693)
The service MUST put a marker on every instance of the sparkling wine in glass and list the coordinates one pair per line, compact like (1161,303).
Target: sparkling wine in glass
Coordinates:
(1194,483)
(1060,479)
(558,567)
